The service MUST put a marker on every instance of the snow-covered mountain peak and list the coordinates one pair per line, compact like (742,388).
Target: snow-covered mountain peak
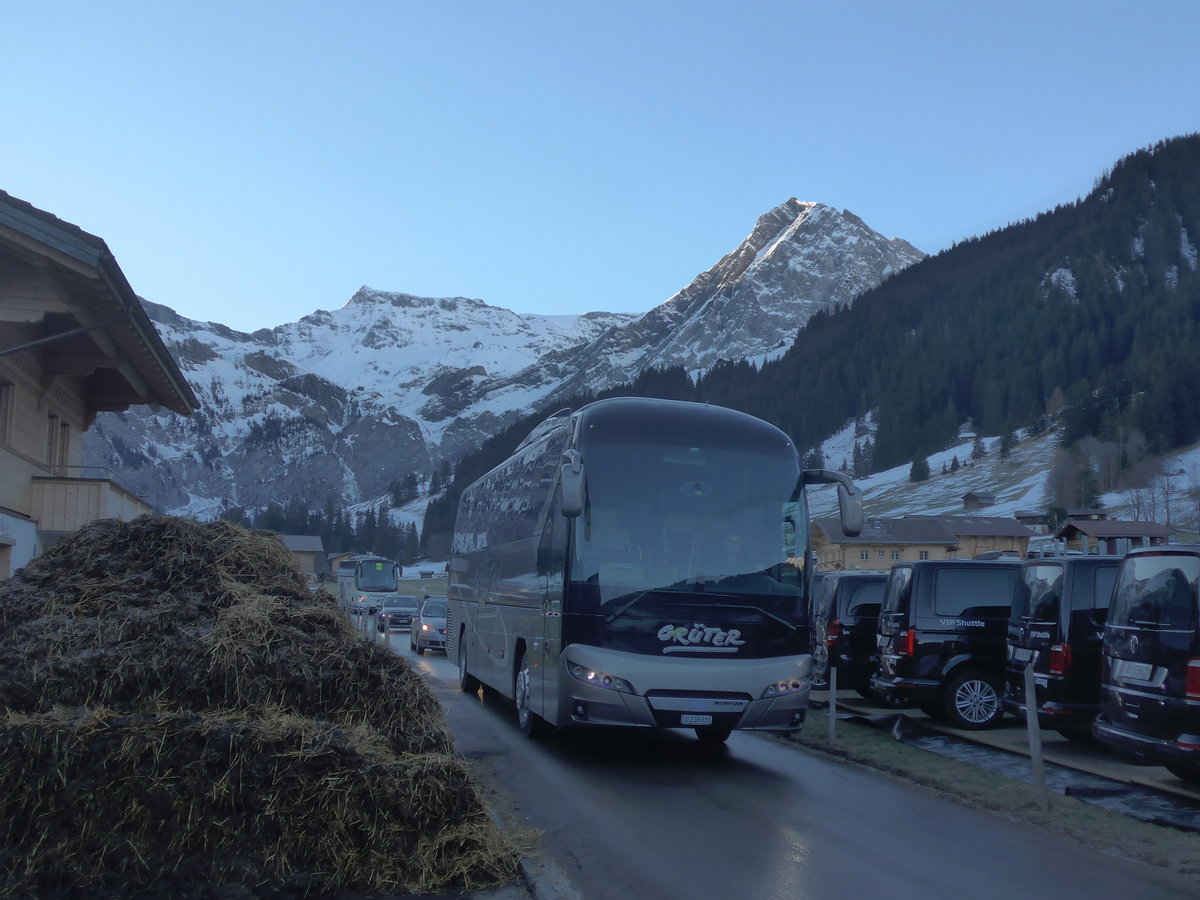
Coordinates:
(342,402)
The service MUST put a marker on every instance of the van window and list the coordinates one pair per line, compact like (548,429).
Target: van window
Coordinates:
(1102,588)
(1038,592)
(899,589)
(983,591)
(1156,591)
(867,594)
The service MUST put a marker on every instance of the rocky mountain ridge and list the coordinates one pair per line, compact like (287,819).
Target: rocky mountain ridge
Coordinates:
(336,406)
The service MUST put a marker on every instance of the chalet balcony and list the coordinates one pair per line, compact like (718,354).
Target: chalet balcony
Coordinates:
(75,495)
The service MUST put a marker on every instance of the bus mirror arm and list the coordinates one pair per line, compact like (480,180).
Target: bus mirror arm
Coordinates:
(572,484)
(850,504)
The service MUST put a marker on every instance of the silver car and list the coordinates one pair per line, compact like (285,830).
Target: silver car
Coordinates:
(429,626)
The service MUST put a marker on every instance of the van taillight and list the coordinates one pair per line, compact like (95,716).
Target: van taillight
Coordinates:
(906,643)
(1060,660)
(833,631)
(1191,686)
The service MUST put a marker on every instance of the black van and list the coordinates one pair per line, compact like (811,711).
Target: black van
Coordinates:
(845,621)
(1057,623)
(1150,696)
(943,638)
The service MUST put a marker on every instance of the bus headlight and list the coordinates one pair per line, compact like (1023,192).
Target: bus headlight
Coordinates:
(600,679)
(784,688)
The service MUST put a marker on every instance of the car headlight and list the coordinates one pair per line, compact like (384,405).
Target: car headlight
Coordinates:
(425,627)
(600,679)
(784,688)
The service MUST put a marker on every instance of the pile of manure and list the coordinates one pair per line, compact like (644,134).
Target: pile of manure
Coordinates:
(180,714)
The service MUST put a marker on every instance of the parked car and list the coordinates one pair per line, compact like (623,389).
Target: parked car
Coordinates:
(397,612)
(943,638)
(429,627)
(845,622)
(1057,624)
(1150,695)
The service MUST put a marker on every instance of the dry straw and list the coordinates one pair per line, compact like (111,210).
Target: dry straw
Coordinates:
(181,714)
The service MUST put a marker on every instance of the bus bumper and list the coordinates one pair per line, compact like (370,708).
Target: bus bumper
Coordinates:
(748,695)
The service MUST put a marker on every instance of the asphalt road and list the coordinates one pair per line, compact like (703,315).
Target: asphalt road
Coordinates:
(656,815)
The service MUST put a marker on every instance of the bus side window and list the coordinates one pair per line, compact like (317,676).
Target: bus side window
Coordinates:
(551,551)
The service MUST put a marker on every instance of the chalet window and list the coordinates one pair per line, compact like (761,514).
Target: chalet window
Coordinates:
(51,438)
(6,411)
(864,555)
(924,554)
(882,554)
(58,438)
(895,554)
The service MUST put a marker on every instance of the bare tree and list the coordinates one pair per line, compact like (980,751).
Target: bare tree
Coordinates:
(1136,502)
(1105,460)
(1192,493)
(1167,489)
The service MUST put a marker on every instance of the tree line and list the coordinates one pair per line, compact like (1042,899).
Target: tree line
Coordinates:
(1087,315)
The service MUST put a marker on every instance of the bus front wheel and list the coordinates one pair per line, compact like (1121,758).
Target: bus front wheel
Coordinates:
(531,724)
(468,682)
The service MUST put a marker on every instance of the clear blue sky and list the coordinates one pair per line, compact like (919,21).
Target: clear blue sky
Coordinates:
(250,162)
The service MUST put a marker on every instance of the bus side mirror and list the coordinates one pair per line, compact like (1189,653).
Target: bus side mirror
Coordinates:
(850,504)
(851,508)
(572,484)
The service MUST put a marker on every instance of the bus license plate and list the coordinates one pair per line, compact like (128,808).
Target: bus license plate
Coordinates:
(692,719)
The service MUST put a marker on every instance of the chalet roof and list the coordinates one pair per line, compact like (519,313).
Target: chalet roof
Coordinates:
(890,531)
(1087,513)
(983,526)
(1109,528)
(979,497)
(303,543)
(85,319)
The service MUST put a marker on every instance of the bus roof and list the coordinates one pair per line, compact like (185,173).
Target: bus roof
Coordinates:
(614,418)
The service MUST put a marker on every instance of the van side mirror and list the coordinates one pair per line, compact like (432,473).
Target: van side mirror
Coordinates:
(573,491)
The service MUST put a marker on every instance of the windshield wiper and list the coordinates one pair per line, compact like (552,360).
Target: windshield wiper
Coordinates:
(766,614)
(791,626)
(620,611)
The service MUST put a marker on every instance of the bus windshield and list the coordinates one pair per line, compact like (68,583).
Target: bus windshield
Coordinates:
(685,530)
(376,575)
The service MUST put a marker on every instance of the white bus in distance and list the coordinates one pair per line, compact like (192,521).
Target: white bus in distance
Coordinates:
(643,563)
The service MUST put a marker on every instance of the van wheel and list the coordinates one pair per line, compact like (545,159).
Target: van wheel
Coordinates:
(1188,772)
(531,724)
(1080,735)
(466,681)
(972,701)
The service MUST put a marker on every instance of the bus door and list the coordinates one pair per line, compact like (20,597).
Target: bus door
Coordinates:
(489,626)
(551,561)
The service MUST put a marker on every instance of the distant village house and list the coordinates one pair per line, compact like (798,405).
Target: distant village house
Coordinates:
(1095,533)
(884,542)
(309,551)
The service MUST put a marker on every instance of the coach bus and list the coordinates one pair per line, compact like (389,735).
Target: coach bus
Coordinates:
(645,563)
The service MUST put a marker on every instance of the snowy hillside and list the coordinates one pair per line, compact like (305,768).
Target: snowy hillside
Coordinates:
(1017,481)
